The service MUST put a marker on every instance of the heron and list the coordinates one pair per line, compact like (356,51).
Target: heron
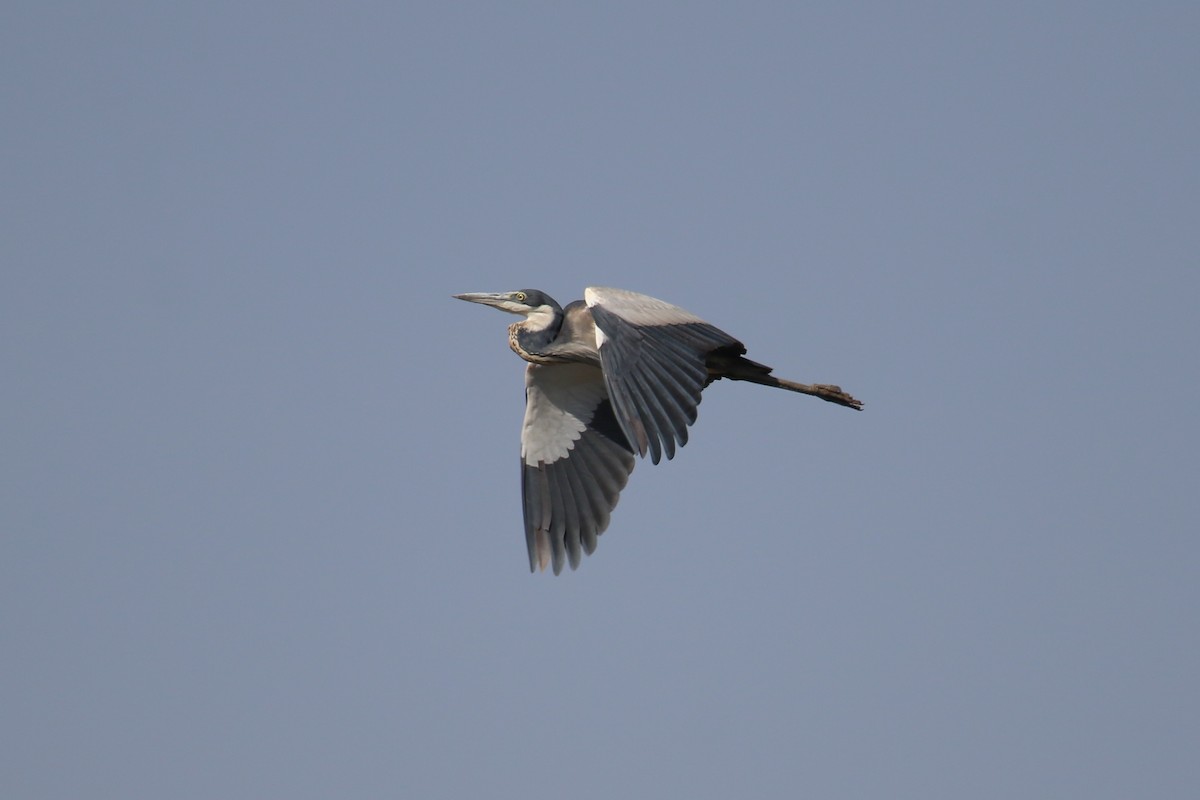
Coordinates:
(610,377)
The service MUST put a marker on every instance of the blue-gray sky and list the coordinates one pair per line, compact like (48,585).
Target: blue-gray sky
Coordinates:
(261,530)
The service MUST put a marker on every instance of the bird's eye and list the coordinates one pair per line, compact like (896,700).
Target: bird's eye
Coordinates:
(520,296)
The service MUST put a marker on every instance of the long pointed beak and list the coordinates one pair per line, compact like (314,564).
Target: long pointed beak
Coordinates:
(487,298)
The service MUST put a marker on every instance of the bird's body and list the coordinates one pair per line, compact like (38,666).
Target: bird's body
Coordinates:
(610,376)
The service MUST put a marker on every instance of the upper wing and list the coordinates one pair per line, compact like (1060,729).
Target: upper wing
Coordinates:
(574,462)
(653,354)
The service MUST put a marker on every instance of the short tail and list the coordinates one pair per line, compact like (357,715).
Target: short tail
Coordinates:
(743,369)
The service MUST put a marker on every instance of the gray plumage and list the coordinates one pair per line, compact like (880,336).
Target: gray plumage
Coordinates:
(614,375)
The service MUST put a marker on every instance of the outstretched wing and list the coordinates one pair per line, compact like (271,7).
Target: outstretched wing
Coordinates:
(574,462)
(653,355)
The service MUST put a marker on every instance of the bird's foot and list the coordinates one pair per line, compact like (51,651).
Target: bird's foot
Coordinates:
(834,394)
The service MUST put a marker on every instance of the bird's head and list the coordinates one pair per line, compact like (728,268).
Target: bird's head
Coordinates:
(526,302)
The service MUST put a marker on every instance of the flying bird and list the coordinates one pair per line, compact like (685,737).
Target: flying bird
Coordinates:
(611,376)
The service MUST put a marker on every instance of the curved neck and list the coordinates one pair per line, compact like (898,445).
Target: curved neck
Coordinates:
(532,337)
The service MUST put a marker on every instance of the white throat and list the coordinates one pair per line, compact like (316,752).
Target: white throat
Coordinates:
(539,319)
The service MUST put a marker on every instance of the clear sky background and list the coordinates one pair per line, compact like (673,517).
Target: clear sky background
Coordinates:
(261,527)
